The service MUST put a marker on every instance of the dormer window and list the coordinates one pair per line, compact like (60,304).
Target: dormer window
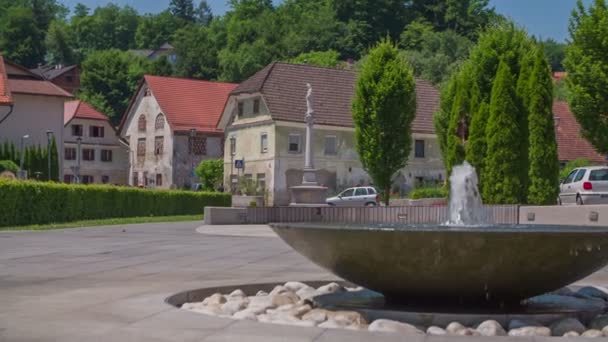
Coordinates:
(141,123)
(256,106)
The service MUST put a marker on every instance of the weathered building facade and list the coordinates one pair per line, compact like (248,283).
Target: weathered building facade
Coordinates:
(171,126)
(92,144)
(265,131)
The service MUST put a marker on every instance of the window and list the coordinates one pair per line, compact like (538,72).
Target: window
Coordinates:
(331,145)
(159,179)
(294,143)
(145,178)
(105,179)
(76,130)
(580,175)
(69,179)
(160,122)
(96,131)
(87,179)
(360,192)
(347,193)
(70,153)
(141,123)
(135,179)
(241,109)
(159,145)
(372,191)
(261,178)
(147,92)
(256,106)
(199,145)
(232,146)
(264,142)
(88,154)
(570,177)
(599,175)
(141,147)
(419,149)
(106,155)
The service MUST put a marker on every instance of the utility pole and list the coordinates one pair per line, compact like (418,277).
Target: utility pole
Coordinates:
(49,135)
(79,155)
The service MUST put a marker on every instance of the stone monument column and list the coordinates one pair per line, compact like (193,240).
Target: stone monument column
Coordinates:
(309,193)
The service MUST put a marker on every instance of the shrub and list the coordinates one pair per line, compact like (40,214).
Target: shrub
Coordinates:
(429,192)
(25,203)
(571,165)
(8,165)
(211,173)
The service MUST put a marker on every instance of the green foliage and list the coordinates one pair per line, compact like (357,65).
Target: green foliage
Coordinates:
(20,39)
(8,165)
(587,66)
(211,173)
(156,29)
(476,148)
(571,165)
(429,192)
(160,67)
(183,9)
(57,42)
(108,27)
(560,91)
(329,58)
(555,52)
(249,187)
(503,184)
(203,13)
(198,52)
(544,163)
(108,80)
(35,160)
(26,203)
(383,110)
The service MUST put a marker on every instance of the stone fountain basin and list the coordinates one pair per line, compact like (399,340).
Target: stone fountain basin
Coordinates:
(487,264)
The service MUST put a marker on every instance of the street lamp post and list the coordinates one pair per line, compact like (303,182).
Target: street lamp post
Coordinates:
(49,135)
(192,135)
(79,141)
(26,136)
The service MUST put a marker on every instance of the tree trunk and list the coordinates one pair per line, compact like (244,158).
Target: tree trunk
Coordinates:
(387,196)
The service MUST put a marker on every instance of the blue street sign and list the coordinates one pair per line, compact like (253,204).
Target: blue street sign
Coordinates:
(239,163)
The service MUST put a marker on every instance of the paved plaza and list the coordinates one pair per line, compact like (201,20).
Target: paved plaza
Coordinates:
(110,283)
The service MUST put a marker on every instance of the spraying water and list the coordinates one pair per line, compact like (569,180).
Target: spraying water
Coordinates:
(465,206)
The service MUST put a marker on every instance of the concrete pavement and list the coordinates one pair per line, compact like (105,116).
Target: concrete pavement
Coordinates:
(109,284)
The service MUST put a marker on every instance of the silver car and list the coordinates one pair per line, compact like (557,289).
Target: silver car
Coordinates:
(585,185)
(364,196)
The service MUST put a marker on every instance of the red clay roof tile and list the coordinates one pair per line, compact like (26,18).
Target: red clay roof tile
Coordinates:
(190,103)
(36,87)
(81,110)
(5,92)
(571,145)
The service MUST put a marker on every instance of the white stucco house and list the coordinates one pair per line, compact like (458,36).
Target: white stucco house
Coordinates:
(264,130)
(103,157)
(171,126)
(29,107)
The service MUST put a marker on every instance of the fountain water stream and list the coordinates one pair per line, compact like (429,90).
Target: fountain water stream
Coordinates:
(465,207)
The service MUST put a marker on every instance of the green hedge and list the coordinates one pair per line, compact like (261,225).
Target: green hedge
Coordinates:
(429,192)
(30,202)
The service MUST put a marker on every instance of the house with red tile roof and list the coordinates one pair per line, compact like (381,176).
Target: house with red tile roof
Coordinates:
(570,144)
(171,126)
(29,107)
(265,132)
(93,150)
(66,77)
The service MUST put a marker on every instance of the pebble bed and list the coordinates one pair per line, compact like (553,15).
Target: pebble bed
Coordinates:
(292,304)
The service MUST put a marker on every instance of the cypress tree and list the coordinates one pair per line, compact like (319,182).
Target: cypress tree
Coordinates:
(54,161)
(476,146)
(502,165)
(544,162)
(442,117)
(458,117)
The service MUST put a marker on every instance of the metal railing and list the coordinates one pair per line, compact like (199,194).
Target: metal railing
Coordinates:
(503,214)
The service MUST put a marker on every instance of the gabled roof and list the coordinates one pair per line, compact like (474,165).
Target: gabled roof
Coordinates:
(22,81)
(187,103)
(81,110)
(283,86)
(51,72)
(570,144)
(5,92)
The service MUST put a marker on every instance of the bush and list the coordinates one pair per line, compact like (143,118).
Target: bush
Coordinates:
(8,165)
(211,173)
(429,192)
(26,203)
(571,165)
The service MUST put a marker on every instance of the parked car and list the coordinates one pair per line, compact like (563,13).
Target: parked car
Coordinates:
(585,185)
(365,196)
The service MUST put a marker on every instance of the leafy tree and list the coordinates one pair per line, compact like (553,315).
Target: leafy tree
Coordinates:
(442,117)
(198,53)
(109,27)
(383,110)
(160,67)
(571,165)
(587,66)
(556,52)
(20,39)
(58,45)
(203,13)
(329,58)
(502,164)
(108,80)
(156,29)
(81,10)
(211,173)
(544,163)
(8,165)
(476,148)
(183,9)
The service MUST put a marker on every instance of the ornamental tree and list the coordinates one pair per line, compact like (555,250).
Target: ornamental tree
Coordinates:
(587,66)
(544,163)
(383,110)
(211,173)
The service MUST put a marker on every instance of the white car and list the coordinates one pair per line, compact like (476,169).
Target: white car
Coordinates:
(585,185)
(364,196)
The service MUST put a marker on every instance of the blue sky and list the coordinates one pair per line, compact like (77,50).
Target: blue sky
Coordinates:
(544,18)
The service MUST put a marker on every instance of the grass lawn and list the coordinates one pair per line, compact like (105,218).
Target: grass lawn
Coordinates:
(106,222)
